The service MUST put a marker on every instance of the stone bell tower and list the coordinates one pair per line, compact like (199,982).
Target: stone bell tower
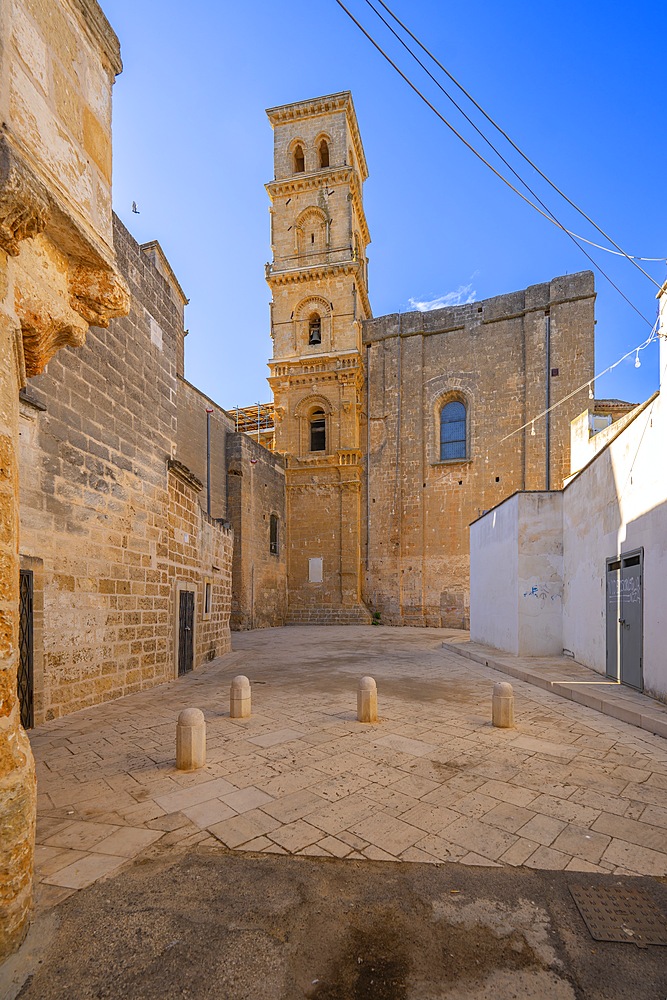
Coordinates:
(318,281)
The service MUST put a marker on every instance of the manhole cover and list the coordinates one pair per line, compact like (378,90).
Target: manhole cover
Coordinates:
(613,913)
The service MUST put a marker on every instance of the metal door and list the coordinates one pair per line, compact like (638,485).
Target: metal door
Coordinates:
(25,671)
(186,617)
(625,619)
(630,621)
(612,617)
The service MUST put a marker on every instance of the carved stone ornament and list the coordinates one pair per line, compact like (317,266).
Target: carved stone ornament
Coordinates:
(98,294)
(24,203)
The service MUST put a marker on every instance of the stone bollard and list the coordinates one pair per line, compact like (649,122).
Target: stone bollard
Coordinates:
(239,698)
(190,740)
(367,700)
(503,705)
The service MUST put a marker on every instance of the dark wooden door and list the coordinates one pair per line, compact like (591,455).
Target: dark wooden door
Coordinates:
(25,671)
(186,619)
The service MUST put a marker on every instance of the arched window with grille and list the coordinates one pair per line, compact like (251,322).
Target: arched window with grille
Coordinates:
(453,431)
(273,534)
(318,431)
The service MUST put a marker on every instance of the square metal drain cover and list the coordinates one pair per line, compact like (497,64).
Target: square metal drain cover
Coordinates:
(613,913)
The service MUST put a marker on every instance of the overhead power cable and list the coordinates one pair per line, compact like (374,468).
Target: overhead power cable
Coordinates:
(573,236)
(653,335)
(479,156)
(619,250)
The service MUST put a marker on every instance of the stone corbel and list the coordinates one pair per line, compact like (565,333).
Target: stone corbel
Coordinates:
(24,202)
(97,295)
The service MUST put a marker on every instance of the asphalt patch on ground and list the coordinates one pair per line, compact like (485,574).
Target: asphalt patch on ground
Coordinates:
(209,923)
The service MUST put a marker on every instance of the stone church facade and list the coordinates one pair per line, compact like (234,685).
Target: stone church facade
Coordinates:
(396,430)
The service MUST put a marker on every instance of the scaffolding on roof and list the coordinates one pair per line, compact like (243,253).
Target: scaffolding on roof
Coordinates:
(257,421)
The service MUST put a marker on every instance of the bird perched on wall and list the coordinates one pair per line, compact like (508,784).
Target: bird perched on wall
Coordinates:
(135,209)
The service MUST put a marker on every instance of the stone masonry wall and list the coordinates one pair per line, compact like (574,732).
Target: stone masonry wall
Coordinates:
(97,506)
(491,355)
(200,552)
(191,443)
(255,491)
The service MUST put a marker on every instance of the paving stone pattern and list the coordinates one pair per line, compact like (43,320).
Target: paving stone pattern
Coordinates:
(433,781)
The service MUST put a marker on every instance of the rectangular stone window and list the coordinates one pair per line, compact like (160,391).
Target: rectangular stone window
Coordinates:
(273,535)
(208,599)
(315,570)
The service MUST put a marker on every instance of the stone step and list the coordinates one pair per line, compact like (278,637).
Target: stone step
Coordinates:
(329,616)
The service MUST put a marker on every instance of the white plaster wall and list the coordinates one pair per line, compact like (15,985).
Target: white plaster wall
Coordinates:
(540,574)
(618,504)
(494,577)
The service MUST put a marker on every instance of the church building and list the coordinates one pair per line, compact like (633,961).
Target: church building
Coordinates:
(399,431)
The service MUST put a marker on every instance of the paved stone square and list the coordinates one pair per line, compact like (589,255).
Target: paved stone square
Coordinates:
(432,781)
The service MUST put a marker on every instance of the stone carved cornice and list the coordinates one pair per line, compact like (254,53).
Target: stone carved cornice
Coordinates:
(100,31)
(64,282)
(24,201)
(184,474)
(318,272)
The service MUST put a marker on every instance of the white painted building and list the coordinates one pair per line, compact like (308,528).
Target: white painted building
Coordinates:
(584,569)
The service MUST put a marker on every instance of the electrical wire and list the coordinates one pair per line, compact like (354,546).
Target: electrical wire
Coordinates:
(486,162)
(574,236)
(619,250)
(589,384)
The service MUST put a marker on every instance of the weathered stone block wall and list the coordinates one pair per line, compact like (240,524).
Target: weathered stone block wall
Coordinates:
(97,506)
(58,96)
(491,354)
(58,275)
(200,552)
(191,443)
(255,491)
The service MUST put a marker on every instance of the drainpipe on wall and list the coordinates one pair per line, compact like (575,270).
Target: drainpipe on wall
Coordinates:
(208,460)
(547,417)
(368,454)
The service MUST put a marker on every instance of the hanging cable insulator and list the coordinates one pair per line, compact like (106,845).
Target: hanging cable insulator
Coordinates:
(532,428)
(591,394)
(638,363)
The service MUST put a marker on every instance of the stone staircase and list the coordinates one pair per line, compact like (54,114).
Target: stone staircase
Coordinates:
(358,615)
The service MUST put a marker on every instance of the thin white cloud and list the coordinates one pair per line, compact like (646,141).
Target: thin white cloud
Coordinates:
(462,295)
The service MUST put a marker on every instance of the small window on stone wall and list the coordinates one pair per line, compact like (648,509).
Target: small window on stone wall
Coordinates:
(323,153)
(315,329)
(299,162)
(453,437)
(318,431)
(273,535)
(208,599)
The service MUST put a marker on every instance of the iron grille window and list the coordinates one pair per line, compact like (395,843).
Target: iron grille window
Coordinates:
(318,431)
(453,431)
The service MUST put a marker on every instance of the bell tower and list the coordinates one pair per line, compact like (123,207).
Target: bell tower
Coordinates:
(318,282)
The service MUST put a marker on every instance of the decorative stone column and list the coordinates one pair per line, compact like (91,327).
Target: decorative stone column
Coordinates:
(58,276)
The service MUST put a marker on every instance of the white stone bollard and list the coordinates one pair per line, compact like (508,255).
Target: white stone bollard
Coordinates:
(367,700)
(503,705)
(190,740)
(239,698)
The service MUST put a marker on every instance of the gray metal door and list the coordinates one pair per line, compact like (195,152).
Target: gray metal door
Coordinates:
(625,619)
(612,617)
(630,621)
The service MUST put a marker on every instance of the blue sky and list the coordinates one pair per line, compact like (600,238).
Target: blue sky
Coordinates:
(577,85)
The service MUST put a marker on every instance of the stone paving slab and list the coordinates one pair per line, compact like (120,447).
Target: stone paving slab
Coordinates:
(569,679)
(568,788)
